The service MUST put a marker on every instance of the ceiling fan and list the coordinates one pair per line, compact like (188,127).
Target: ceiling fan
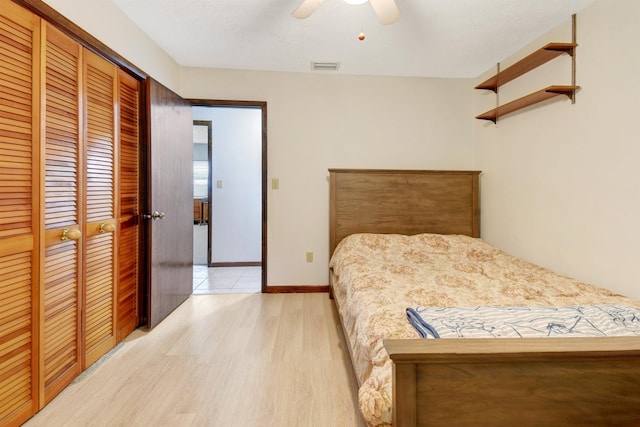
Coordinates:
(387,10)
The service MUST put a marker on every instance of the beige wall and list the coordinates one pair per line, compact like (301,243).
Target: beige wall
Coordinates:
(315,122)
(560,184)
(321,121)
(103,20)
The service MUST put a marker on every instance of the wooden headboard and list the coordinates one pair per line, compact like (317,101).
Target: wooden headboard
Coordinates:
(402,202)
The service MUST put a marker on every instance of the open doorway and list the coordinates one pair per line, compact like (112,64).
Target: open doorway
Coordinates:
(202,140)
(229,196)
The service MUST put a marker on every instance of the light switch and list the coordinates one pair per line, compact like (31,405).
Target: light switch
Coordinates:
(309,256)
(219,183)
(275,184)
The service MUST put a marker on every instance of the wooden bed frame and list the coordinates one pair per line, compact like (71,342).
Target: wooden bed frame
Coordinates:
(572,381)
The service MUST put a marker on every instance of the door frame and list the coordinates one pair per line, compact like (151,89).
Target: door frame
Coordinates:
(262,105)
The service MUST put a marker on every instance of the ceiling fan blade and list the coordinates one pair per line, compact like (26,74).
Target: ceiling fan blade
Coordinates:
(307,8)
(387,10)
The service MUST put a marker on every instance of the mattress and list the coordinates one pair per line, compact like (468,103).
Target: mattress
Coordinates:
(376,277)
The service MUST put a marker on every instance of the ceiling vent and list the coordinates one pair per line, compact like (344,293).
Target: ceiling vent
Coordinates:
(325,66)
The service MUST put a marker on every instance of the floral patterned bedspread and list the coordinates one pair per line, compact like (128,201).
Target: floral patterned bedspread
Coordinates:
(377,276)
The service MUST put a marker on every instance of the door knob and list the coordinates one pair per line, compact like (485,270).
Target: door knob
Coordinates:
(70,234)
(107,227)
(154,216)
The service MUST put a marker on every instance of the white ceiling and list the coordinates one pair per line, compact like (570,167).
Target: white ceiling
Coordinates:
(432,38)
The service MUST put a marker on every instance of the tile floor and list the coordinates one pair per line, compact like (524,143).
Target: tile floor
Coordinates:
(226,280)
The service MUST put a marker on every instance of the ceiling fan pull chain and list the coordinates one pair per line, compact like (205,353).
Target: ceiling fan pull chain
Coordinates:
(361,36)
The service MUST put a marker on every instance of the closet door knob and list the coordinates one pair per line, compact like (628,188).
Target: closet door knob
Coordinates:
(72,234)
(107,227)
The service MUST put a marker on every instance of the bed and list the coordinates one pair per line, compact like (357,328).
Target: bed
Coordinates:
(408,381)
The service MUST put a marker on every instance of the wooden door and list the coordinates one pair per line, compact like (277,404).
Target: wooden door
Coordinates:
(100,262)
(19,206)
(129,232)
(170,164)
(62,112)
(62,219)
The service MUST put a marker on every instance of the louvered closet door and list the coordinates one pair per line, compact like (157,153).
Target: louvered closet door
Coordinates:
(101,206)
(129,238)
(62,178)
(19,88)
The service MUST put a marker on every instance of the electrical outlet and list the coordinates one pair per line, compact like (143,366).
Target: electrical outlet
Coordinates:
(275,184)
(309,256)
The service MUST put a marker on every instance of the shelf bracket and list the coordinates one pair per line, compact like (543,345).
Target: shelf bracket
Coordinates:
(495,122)
(573,57)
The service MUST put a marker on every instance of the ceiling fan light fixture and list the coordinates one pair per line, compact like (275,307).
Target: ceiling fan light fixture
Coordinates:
(386,10)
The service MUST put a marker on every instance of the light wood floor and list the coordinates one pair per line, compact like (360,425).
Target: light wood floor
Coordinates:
(221,360)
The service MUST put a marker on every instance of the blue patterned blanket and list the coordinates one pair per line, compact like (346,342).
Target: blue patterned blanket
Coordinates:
(525,322)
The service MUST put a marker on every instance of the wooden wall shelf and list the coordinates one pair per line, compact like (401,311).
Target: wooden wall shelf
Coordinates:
(526,64)
(525,101)
(537,58)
